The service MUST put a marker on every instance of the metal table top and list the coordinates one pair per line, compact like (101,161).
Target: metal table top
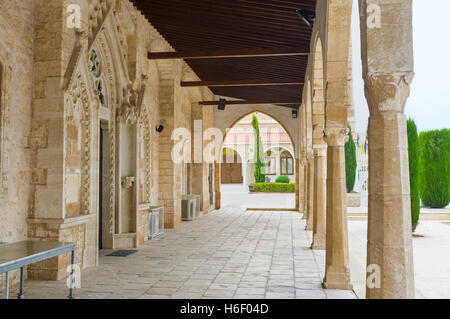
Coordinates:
(21,254)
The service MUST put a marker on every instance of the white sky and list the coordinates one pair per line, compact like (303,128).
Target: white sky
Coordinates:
(429,103)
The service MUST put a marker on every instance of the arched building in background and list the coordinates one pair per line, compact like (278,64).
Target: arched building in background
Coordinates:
(278,149)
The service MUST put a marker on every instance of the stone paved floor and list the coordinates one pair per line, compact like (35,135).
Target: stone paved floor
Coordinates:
(226,254)
(431,258)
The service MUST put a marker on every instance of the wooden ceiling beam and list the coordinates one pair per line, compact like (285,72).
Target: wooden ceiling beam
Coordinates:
(292,103)
(220,54)
(241,83)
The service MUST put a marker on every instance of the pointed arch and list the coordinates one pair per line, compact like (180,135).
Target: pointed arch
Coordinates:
(236,117)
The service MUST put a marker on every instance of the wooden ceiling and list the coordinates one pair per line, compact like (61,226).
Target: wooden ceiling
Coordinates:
(241,25)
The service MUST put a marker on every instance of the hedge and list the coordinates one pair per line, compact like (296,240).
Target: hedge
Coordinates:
(273,188)
(350,162)
(283,179)
(435,168)
(413,147)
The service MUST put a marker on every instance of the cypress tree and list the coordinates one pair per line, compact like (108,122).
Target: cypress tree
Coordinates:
(350,162)
(259,160)
(413,150)
(435,168)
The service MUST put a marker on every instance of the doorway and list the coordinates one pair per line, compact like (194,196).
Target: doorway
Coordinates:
(100,183)
(105,240)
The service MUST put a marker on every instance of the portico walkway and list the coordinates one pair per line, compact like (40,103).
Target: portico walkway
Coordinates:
(226,254)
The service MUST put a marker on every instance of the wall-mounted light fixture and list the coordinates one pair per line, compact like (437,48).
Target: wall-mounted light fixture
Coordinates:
(294,114)
(222,104)
(159,129)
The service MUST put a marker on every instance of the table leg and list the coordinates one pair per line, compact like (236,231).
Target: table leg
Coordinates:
(7,286)
(72,274)
(20,295)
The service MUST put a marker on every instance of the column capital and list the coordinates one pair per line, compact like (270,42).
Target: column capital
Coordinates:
(388,91)
(320,149)
(336,136)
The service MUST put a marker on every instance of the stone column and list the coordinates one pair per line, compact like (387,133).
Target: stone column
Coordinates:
(337,271)
(320,191)
(305,192)
(389,244)
(310,203)
(302,179)
(217,182)
(301,185)
(388,70)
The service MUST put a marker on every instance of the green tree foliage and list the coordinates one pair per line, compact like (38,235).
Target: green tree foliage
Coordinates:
(435,168)
(283,179)
(413,146)
(350,162)
(258,153)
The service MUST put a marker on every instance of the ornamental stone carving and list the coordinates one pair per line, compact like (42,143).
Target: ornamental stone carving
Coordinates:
(132,101)
(336,136)
(388,91)
(128,182)
(320,150)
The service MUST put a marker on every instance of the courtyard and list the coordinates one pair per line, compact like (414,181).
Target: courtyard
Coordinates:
(119,118)
(237,195)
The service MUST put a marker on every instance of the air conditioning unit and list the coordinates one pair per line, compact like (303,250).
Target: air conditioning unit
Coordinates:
(155,222)
(197,205)
(188,208)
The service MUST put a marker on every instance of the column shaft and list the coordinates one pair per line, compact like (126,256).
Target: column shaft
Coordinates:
(310,216)
(320,203)
(389,247)
(305,193)
(337,271)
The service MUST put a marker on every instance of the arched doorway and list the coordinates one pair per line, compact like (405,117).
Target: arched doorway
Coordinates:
(238,164)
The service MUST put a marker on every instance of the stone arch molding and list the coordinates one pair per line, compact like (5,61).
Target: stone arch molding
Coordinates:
(227,119)
(123,96)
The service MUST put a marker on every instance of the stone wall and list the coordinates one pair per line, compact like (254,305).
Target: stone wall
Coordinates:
(50,139)
(16,74)
(16,62)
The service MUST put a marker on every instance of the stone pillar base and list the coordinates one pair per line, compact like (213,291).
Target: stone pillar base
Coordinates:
(319,242)
(337,280)
(69,230)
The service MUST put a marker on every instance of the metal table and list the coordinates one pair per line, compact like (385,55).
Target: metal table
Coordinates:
(19,255)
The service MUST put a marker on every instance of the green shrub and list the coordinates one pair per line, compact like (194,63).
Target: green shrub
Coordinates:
(435,168)
(273,188)
(283,179)
(350,162)
(413,147)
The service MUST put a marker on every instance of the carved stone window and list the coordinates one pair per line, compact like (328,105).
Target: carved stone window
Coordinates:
(101,96)
(94,63)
